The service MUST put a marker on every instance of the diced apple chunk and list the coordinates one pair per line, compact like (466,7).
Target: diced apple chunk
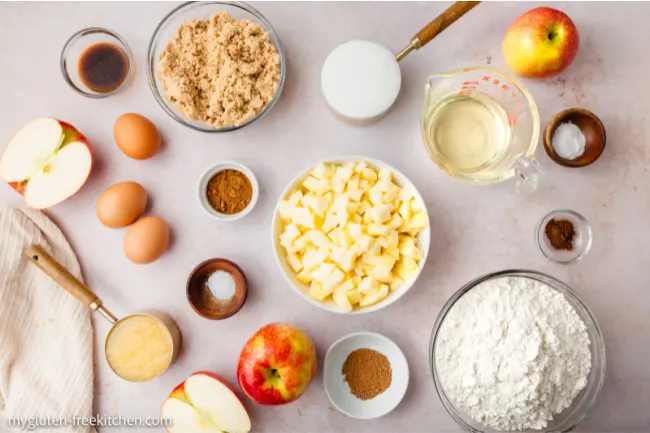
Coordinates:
(369,174)
(376,196)
(342,301)
(295,262)
(372,299)
(343,173)
(418,221)
(368,285)
(364,242)
(322,171)
(316,291)
(380,213)
(378,229)
(333,280)
(382,274)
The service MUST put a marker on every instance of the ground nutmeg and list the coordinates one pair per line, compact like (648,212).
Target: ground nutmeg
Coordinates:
(229,191)
(367,372)
(560,234)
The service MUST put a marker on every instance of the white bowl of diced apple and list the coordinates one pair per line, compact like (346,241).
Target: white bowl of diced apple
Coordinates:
(351,234)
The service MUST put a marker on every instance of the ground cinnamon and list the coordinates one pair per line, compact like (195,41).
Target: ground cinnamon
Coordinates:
(560,234)
(229,191)
(367,372)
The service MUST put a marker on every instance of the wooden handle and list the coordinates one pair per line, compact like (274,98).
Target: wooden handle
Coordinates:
(444,20)
(65,279)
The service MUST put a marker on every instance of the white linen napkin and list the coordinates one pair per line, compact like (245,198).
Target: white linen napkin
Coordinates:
(46,337)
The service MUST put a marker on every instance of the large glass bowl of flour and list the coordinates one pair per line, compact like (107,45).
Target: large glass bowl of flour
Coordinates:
(566,420)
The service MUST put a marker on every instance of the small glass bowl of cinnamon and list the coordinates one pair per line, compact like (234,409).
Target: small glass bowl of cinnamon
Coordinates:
(228,191)
(563,236)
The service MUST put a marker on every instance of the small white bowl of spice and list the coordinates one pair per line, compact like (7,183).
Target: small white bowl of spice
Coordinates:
(365,375)
(228,191)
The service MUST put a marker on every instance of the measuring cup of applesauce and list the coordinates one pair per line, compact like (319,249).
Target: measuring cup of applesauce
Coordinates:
(480,124)
(139,347)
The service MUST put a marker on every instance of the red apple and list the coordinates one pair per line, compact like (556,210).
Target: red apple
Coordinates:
(205,403)
(46,161)
(541,43)
(277,364)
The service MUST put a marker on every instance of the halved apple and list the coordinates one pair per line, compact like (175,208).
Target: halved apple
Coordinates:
(46,161)
(205,403)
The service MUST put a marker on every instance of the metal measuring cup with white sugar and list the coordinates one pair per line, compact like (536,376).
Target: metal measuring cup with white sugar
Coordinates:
(361,80)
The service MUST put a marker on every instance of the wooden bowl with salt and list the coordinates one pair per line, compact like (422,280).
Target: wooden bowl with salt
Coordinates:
(592,128)
(201,297)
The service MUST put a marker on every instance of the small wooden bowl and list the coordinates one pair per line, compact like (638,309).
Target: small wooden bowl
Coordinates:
(201,299)
(591,127)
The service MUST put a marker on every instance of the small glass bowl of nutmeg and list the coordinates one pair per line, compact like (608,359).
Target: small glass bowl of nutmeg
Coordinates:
(228,191)
(563,236)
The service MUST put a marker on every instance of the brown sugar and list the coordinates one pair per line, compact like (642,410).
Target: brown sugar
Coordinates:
(229,191)
(560,234)
(222,71)
(367,372)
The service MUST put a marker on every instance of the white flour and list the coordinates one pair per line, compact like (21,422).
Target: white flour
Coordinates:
(513,352)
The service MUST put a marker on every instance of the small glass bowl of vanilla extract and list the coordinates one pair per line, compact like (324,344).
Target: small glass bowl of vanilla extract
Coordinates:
(96,62)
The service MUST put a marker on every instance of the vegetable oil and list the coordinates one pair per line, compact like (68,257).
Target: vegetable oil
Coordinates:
(467,132)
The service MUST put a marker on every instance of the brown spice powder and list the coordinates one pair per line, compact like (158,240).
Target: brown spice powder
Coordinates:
(229,191)
(367,372)
(560,234)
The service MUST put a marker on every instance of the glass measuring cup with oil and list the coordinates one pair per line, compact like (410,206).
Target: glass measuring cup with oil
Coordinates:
(481,125)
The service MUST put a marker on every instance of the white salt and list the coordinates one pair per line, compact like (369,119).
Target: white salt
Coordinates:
(221,285)
(569,141)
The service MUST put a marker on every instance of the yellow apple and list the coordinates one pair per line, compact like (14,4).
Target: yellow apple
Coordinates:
(541,43)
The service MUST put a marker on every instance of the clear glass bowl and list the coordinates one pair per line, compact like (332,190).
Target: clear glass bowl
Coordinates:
(77,45)
(584,401)
(581,242)
(203,10)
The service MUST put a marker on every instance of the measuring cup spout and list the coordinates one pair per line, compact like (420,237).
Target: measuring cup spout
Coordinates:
(438,85)
(528,173)
(432,91)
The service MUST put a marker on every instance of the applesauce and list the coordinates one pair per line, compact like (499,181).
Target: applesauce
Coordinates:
(139,348)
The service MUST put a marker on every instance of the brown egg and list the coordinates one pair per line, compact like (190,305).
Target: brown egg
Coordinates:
(121,204)
(146,240)
(136,136)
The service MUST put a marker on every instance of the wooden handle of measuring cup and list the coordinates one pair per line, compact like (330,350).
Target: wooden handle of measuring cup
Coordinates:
(65,279)
(444,20)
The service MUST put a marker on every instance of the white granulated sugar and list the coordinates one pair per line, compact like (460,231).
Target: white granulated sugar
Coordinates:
(512,353)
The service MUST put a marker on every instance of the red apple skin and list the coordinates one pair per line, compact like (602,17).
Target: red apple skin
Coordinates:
(72,135)
(541,43)
(18,187)
(179,392)
(277,364)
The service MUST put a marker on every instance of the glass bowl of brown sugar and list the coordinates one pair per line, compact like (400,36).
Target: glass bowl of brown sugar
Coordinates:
(228,191)
(229,108)
(563,236)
